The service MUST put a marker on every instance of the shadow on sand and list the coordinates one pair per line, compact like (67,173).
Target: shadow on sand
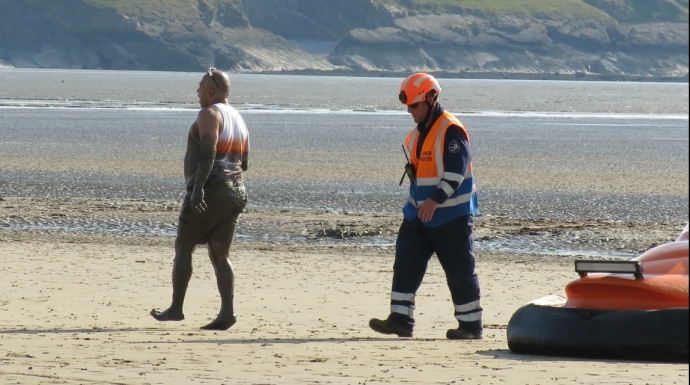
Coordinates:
(296,341)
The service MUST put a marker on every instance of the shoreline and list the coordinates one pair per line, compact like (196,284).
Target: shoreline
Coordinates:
(489,75)
(474,75)
(153,222)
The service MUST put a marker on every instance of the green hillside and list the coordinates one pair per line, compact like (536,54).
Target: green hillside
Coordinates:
(622,10)
(162,9)
(524,7)
(657,10)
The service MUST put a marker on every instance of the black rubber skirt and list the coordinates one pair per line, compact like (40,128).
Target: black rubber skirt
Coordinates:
(657,335)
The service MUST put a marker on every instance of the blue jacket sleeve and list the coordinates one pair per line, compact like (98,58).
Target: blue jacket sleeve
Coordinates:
(456,160)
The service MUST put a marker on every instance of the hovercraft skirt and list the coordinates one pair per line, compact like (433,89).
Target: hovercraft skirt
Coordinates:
(655,335)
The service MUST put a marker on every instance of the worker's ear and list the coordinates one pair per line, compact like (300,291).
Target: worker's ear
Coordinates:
(431,97)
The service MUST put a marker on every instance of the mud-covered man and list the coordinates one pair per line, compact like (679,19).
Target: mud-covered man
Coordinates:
(217,151)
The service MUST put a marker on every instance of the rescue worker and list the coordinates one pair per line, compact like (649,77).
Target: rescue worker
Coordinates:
(438,217)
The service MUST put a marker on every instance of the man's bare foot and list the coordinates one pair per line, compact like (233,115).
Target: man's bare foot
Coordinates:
(167,315)
(220,324)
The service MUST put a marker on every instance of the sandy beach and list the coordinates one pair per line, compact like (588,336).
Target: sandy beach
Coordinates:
(75,306)
(89,199)
(77,313)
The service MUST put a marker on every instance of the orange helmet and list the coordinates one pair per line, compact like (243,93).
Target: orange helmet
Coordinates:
(416,86)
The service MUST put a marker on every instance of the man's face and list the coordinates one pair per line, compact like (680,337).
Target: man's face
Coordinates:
(204,92)
(418,111)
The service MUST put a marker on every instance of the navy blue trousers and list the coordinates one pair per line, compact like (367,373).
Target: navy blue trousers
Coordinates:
(454,247)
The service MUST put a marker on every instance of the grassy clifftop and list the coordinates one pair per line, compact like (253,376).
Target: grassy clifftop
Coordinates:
(621,10)
(166,9)
(523,7)
(632,11)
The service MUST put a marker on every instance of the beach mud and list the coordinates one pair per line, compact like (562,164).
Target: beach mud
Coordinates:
(155,222)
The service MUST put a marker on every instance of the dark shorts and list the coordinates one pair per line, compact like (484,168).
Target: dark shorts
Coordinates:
(225,201)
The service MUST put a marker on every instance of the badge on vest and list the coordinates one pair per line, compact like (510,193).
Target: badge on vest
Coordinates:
(453,146)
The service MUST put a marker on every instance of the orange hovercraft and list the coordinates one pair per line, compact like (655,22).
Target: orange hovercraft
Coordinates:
(633,310)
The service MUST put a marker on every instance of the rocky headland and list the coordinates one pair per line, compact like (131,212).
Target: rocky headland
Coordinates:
(583,39)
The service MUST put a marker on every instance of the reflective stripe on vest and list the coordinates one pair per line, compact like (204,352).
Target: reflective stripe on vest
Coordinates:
(450,202)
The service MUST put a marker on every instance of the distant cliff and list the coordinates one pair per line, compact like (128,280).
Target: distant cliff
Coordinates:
(639,38)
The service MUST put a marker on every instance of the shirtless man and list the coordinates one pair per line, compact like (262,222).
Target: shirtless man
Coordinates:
(217,151)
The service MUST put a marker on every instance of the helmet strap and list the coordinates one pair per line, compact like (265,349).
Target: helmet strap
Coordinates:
(428,113)
(430,101)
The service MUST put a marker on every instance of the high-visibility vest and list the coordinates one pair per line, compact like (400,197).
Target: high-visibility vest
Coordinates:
(429,166)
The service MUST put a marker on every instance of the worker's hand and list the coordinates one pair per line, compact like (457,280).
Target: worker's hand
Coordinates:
(426,210)
(197,200)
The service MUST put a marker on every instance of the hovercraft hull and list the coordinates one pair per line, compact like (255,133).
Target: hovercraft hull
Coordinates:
(635,310)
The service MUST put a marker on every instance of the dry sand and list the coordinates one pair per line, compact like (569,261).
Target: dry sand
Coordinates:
(75,308)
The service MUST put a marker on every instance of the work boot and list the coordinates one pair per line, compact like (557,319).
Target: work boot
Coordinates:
(464,333)
(390,326)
